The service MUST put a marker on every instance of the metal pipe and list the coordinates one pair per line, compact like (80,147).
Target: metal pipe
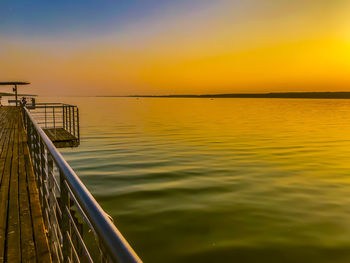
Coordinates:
(45,118)
(63,124)
(70,119)
(78,123)
(64,202)
(65,108)
(16,95)
(73,120)
(54,119)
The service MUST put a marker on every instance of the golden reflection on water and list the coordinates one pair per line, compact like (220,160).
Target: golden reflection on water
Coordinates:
(234,180)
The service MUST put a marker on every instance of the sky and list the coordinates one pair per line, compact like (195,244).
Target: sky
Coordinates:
(153,47)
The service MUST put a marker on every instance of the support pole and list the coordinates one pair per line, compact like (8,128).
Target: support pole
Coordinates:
(15,89)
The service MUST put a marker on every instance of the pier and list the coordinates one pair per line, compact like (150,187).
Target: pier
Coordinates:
(46,213)
(22,230)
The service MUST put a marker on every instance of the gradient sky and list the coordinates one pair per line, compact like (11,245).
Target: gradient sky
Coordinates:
(110,47)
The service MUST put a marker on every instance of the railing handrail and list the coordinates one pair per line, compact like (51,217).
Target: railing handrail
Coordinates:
(56,104)
(53,106)
(112,240)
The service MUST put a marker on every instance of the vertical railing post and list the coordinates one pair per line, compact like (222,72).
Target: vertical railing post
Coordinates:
(54,120)
(29,132)
(29,137)
(32,139)
(45,117)
(78,125)
(74,121)
(35,151)
(38,160)
(43,175)
(66,110)
(63,117)
(51,209)
(65,204)
(70,120)
(54,117)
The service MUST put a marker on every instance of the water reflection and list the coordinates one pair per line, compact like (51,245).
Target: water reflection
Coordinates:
(234,180)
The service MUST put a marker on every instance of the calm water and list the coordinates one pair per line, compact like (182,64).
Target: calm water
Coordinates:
(224,180)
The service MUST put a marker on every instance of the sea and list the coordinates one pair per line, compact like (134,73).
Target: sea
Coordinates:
(220,180)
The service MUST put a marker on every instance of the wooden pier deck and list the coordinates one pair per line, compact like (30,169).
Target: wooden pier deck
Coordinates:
(61,138)
(22,231)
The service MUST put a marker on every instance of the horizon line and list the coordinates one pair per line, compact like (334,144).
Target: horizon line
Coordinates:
(311,94)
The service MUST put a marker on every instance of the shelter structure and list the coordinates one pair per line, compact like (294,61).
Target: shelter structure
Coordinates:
(14,84)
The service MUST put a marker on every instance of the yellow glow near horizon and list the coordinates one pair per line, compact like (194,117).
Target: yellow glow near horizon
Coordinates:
(217,50)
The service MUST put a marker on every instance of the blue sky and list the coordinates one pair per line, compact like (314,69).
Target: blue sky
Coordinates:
(43,17)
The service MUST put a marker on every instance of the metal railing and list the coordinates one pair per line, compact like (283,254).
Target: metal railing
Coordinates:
(57,115)
(30,101)
(78,228)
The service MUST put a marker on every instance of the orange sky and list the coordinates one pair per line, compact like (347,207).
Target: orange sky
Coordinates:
(221,47)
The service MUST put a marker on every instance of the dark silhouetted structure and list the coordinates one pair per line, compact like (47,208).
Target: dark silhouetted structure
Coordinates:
(15,84)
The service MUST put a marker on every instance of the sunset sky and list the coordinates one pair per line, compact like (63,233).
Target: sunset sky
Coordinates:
(109,47)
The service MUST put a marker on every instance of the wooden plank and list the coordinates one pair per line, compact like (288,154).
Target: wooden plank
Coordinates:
(5,161)
(4,145)
(4,188)
(62,138)
(27,236)
(13,224)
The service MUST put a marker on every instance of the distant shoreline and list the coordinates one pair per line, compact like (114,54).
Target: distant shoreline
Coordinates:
(282,95)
